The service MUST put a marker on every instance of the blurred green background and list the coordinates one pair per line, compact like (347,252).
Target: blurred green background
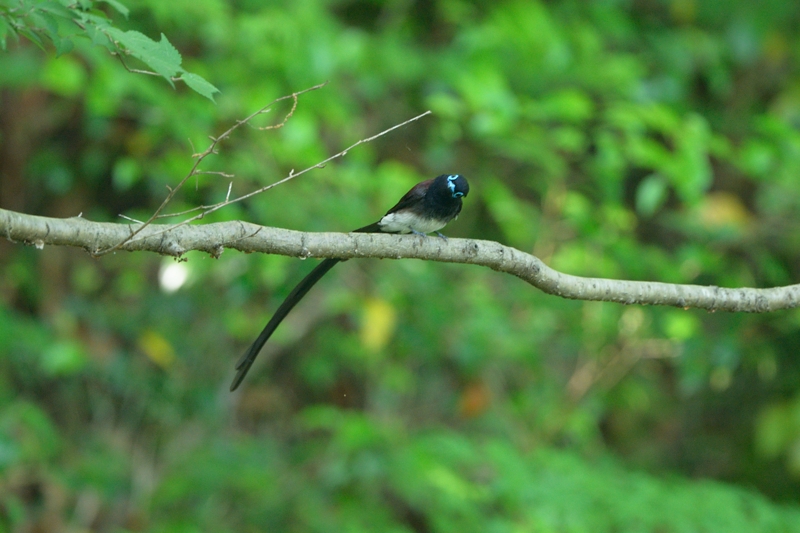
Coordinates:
(640,139)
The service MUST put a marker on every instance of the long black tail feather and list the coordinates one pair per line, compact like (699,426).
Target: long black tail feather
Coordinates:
(246,361)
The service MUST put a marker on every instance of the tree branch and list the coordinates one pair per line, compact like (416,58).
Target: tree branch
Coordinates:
(246,237)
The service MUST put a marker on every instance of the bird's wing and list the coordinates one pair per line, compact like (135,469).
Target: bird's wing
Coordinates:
(413,196)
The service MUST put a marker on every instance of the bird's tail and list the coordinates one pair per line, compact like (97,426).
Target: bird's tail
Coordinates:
(246,361)
(372,228)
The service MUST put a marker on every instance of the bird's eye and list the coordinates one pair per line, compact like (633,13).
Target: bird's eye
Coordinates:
(452,185)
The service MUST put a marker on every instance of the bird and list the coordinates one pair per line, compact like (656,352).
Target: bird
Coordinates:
(426,208)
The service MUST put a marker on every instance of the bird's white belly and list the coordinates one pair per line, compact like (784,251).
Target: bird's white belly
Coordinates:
(405,222)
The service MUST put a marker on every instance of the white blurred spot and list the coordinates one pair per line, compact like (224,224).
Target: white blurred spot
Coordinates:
(173,276)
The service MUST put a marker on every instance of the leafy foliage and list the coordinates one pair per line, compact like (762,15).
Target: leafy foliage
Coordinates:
(652,141)
(47,21)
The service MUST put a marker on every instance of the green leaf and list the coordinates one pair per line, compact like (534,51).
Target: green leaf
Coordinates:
(160,56)
(28,428)
(64,358)
(46,22)
(121,9)
(99,20)
(650,194)
(58,10)
(774,430)
(514,216)
(65,76)
(126,173)
(99,37)
(4,31)
(33,37)
(200,85)
(63,46)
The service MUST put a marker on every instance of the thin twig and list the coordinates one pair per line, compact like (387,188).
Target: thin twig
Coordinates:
(129,219)
(286,118)
(206,210)
(199,159)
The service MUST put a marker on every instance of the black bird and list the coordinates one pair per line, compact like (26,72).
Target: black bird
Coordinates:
(427,207)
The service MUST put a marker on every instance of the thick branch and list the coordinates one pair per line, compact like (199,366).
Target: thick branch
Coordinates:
(246,237)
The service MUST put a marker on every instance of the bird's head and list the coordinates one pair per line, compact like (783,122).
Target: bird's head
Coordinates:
(456,185)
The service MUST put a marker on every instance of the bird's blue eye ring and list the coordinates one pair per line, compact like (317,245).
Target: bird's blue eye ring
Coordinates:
(452,186)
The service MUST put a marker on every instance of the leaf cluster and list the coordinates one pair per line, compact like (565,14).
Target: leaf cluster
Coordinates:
(60,22)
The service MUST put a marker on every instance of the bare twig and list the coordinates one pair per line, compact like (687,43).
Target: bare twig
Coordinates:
(286,118)
(208,209)
(199,159)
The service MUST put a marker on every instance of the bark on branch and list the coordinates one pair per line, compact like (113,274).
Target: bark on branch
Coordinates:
(245,237)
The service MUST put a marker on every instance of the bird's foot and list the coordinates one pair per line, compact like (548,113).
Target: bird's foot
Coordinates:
(442,235)
(415,232)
